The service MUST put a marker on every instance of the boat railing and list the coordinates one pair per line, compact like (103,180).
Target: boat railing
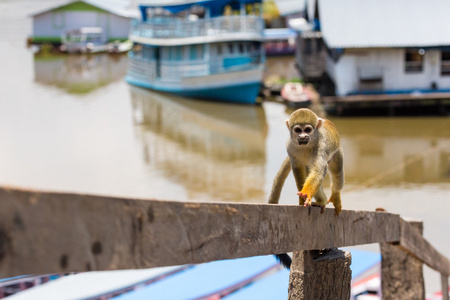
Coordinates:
(205,27)
(176,70)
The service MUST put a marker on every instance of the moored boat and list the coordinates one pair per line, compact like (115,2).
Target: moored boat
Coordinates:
(296,95)
(209,49)
(84,40)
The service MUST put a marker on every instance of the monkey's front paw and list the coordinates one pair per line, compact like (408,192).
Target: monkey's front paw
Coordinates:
(306,198)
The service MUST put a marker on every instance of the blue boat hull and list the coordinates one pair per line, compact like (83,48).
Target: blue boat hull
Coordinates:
(245,93)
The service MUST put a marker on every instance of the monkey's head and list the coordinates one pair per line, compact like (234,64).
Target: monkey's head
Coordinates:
(303,125)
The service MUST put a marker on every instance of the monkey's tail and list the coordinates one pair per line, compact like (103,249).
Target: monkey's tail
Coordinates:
(284,259)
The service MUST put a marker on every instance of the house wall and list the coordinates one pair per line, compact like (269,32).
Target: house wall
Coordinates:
(50,25)
(390,63)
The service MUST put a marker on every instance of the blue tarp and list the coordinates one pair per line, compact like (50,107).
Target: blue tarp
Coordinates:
(203,279)
(216,6)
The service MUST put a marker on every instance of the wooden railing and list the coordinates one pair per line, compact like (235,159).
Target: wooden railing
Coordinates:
(45,232)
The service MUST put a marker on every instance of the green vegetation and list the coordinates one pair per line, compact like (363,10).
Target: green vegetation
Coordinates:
(270,11)
(78,6)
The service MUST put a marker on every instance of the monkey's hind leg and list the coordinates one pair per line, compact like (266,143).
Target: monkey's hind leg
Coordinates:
(321,199)
(335,198)
(336,168)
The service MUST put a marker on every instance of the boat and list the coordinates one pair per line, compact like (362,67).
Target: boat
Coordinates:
(84,40)
(279,41)
(209,49)
(296,95)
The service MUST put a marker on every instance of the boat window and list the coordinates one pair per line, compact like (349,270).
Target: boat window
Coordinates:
(445,63)
(219,49)
(196,52)
(414,61)
(178,55)
(230,48)
(241,48)
(249,47)
(148,52)
(255,46)
(137,50)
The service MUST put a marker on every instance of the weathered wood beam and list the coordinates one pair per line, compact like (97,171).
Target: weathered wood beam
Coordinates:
(412,242)
(43,232)
(320,275)
(444,285)
(401,273)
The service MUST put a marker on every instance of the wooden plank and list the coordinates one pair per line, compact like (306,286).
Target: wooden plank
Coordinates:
(444,285)
(320,275)
(43,232)
(412,242)
(401,273)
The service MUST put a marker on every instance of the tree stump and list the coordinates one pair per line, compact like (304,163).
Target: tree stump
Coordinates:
(321,275)
(401,273)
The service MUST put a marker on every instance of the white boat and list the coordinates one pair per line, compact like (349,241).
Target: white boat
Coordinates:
(84,40)
(296,95)
(210,49)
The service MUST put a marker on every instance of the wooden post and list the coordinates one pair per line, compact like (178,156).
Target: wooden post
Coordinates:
(401,273)
(444,283)
(320,275)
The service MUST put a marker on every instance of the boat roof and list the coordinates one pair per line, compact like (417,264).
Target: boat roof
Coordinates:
(279,33)
(117,7)
(162,3)
(384,23)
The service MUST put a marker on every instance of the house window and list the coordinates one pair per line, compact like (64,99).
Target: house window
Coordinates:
(413,61)
(445,63)
(57,20)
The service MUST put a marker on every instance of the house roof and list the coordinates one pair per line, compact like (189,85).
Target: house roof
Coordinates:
(385,23)
(117,7)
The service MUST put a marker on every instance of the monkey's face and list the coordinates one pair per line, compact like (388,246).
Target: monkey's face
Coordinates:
(303,133)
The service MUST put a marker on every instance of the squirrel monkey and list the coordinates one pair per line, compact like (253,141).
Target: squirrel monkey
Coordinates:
(313,148)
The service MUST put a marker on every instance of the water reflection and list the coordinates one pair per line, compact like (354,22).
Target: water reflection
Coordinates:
(216,151)
(79,74)
(387,152)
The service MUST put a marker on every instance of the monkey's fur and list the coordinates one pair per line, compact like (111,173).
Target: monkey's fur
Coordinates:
(313,149)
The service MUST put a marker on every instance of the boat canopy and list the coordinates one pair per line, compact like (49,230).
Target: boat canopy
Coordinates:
(215,6)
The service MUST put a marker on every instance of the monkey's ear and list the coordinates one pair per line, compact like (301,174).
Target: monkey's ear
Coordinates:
(319,123)
(287,124)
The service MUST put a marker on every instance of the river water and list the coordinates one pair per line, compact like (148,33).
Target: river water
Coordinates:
(72,124)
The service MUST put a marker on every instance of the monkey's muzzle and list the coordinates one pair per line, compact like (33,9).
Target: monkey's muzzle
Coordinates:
(303,140)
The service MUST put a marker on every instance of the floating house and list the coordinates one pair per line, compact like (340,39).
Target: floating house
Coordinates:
(375,47)
(112,16)
(210,49)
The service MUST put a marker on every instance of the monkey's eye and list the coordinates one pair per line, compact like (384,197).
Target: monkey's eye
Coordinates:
(297,129)
(308,129)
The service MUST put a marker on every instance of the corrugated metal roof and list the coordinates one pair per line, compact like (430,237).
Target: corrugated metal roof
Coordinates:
(117,7)
(385,23)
